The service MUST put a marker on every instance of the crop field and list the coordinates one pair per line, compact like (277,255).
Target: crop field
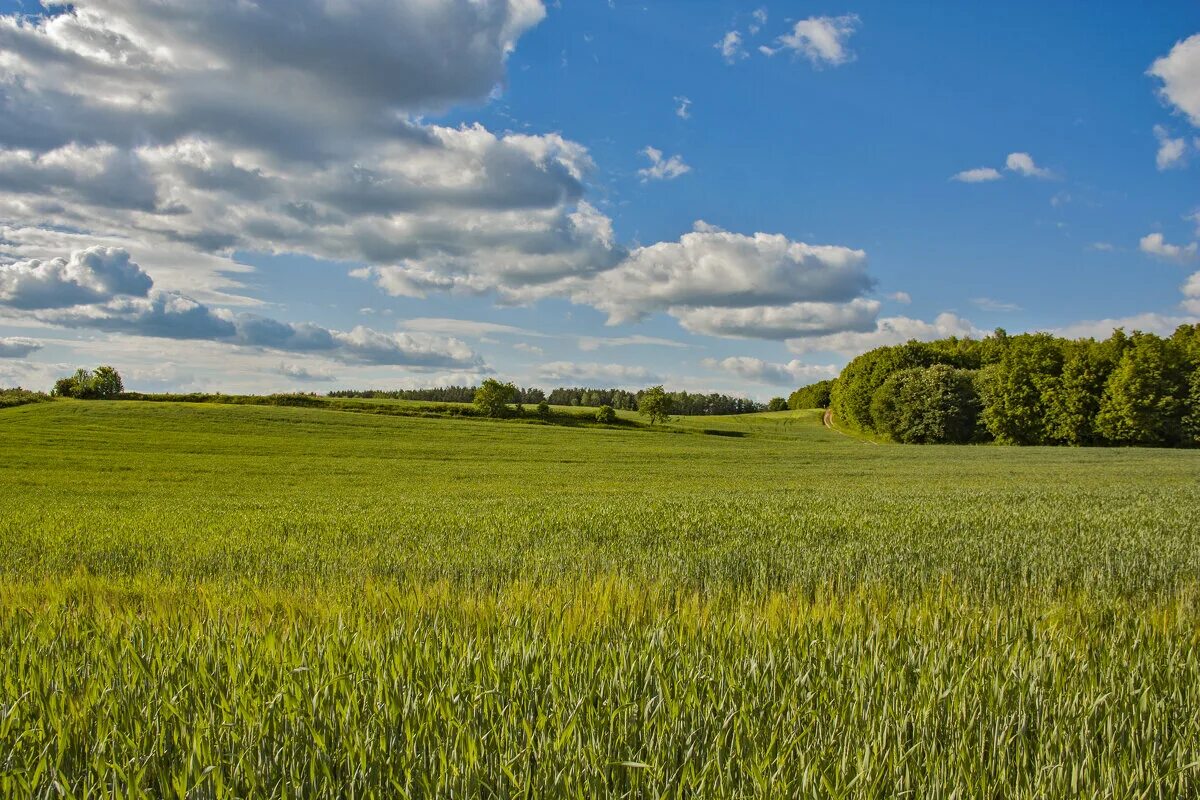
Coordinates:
(201,600)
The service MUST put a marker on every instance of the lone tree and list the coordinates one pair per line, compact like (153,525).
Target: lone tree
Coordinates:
(492,397)
(655,404)
(777,404)
(605,415)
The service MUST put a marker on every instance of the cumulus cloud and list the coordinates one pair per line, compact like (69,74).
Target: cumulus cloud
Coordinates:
(822,40)
(1161,324)
(1023,164)
(17,347)
(102,288)
(793,373)
(731,48)
(1179,72)
(781,322)
(888,331)
(661,169)
(759,17)
(710,267)
(683,107)
(1191,294)
(293,129)
(1155,245)
(1171,152)
(93,275)
(977,175)
(594,373)
(900,297)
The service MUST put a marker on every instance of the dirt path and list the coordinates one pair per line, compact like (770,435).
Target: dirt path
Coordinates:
(829,424)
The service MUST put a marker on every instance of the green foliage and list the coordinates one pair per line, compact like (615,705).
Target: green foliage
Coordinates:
(1145,399)
(1028,389)
(102,384)
(655,405)
(1016,386)
(492,397)
(777,404)
(543,410)
(605,415)
(10,398)
(815,395)
(210,600)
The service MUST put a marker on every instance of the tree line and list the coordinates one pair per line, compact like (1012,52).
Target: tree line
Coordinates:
(1029,389)
(683,404)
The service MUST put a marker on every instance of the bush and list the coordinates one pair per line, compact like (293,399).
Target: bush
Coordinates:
(20,397)
(605,415)
(777,404)
(543,410)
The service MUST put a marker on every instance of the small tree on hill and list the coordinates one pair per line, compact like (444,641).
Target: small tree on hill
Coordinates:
(492,397)
(543,410)
(605,415)
(777,404)
(655,404)
(103,384)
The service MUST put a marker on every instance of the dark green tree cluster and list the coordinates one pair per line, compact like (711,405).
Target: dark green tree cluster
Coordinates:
(814,395)
(103,383)
(1031,389)
(444,394)
(684,404)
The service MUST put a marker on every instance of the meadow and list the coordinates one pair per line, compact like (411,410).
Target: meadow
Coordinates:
(202,600)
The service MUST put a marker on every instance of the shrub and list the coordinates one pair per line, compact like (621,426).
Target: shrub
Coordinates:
(543,410)
(103,384)
(605,415)
(777,404)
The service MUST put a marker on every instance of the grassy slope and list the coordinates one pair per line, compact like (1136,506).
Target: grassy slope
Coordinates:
(544,606)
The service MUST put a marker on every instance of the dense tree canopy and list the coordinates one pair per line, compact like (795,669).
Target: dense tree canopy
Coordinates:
(1129,389)
(102,384)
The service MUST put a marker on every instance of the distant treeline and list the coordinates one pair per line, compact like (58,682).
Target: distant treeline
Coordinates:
(815,395)
(682,403)
(1032,389)
(445,394)
(21,397)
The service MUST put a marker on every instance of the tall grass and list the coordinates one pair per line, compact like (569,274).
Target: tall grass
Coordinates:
(218,601)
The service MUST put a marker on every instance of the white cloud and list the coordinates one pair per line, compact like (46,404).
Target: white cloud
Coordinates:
(792,321)
(1161,324)
(1154,244)
(1191,293)
(594,373)
(793,373)
(988,304)
(822,40)
(900,297)
(731,48)
(888,330)
(465,327)
(93,275)
(1023,164)
(759,17)
(525,347)
(662,169)
(17,347)
(683,107)
(102,288)
(1179,72)
(977,175)
(301,373)
(590,343)
(710,267)
(1171,152)
(1102,247)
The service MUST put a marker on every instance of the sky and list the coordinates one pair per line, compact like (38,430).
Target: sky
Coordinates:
(717,196)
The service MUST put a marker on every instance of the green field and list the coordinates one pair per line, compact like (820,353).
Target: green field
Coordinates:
(216,600)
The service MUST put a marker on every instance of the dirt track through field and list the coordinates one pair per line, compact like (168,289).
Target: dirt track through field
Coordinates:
(828,418)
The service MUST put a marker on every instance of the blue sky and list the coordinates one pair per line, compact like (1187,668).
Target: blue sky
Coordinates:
(834,130)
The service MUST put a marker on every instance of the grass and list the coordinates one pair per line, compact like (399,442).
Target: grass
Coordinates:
(216,600)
